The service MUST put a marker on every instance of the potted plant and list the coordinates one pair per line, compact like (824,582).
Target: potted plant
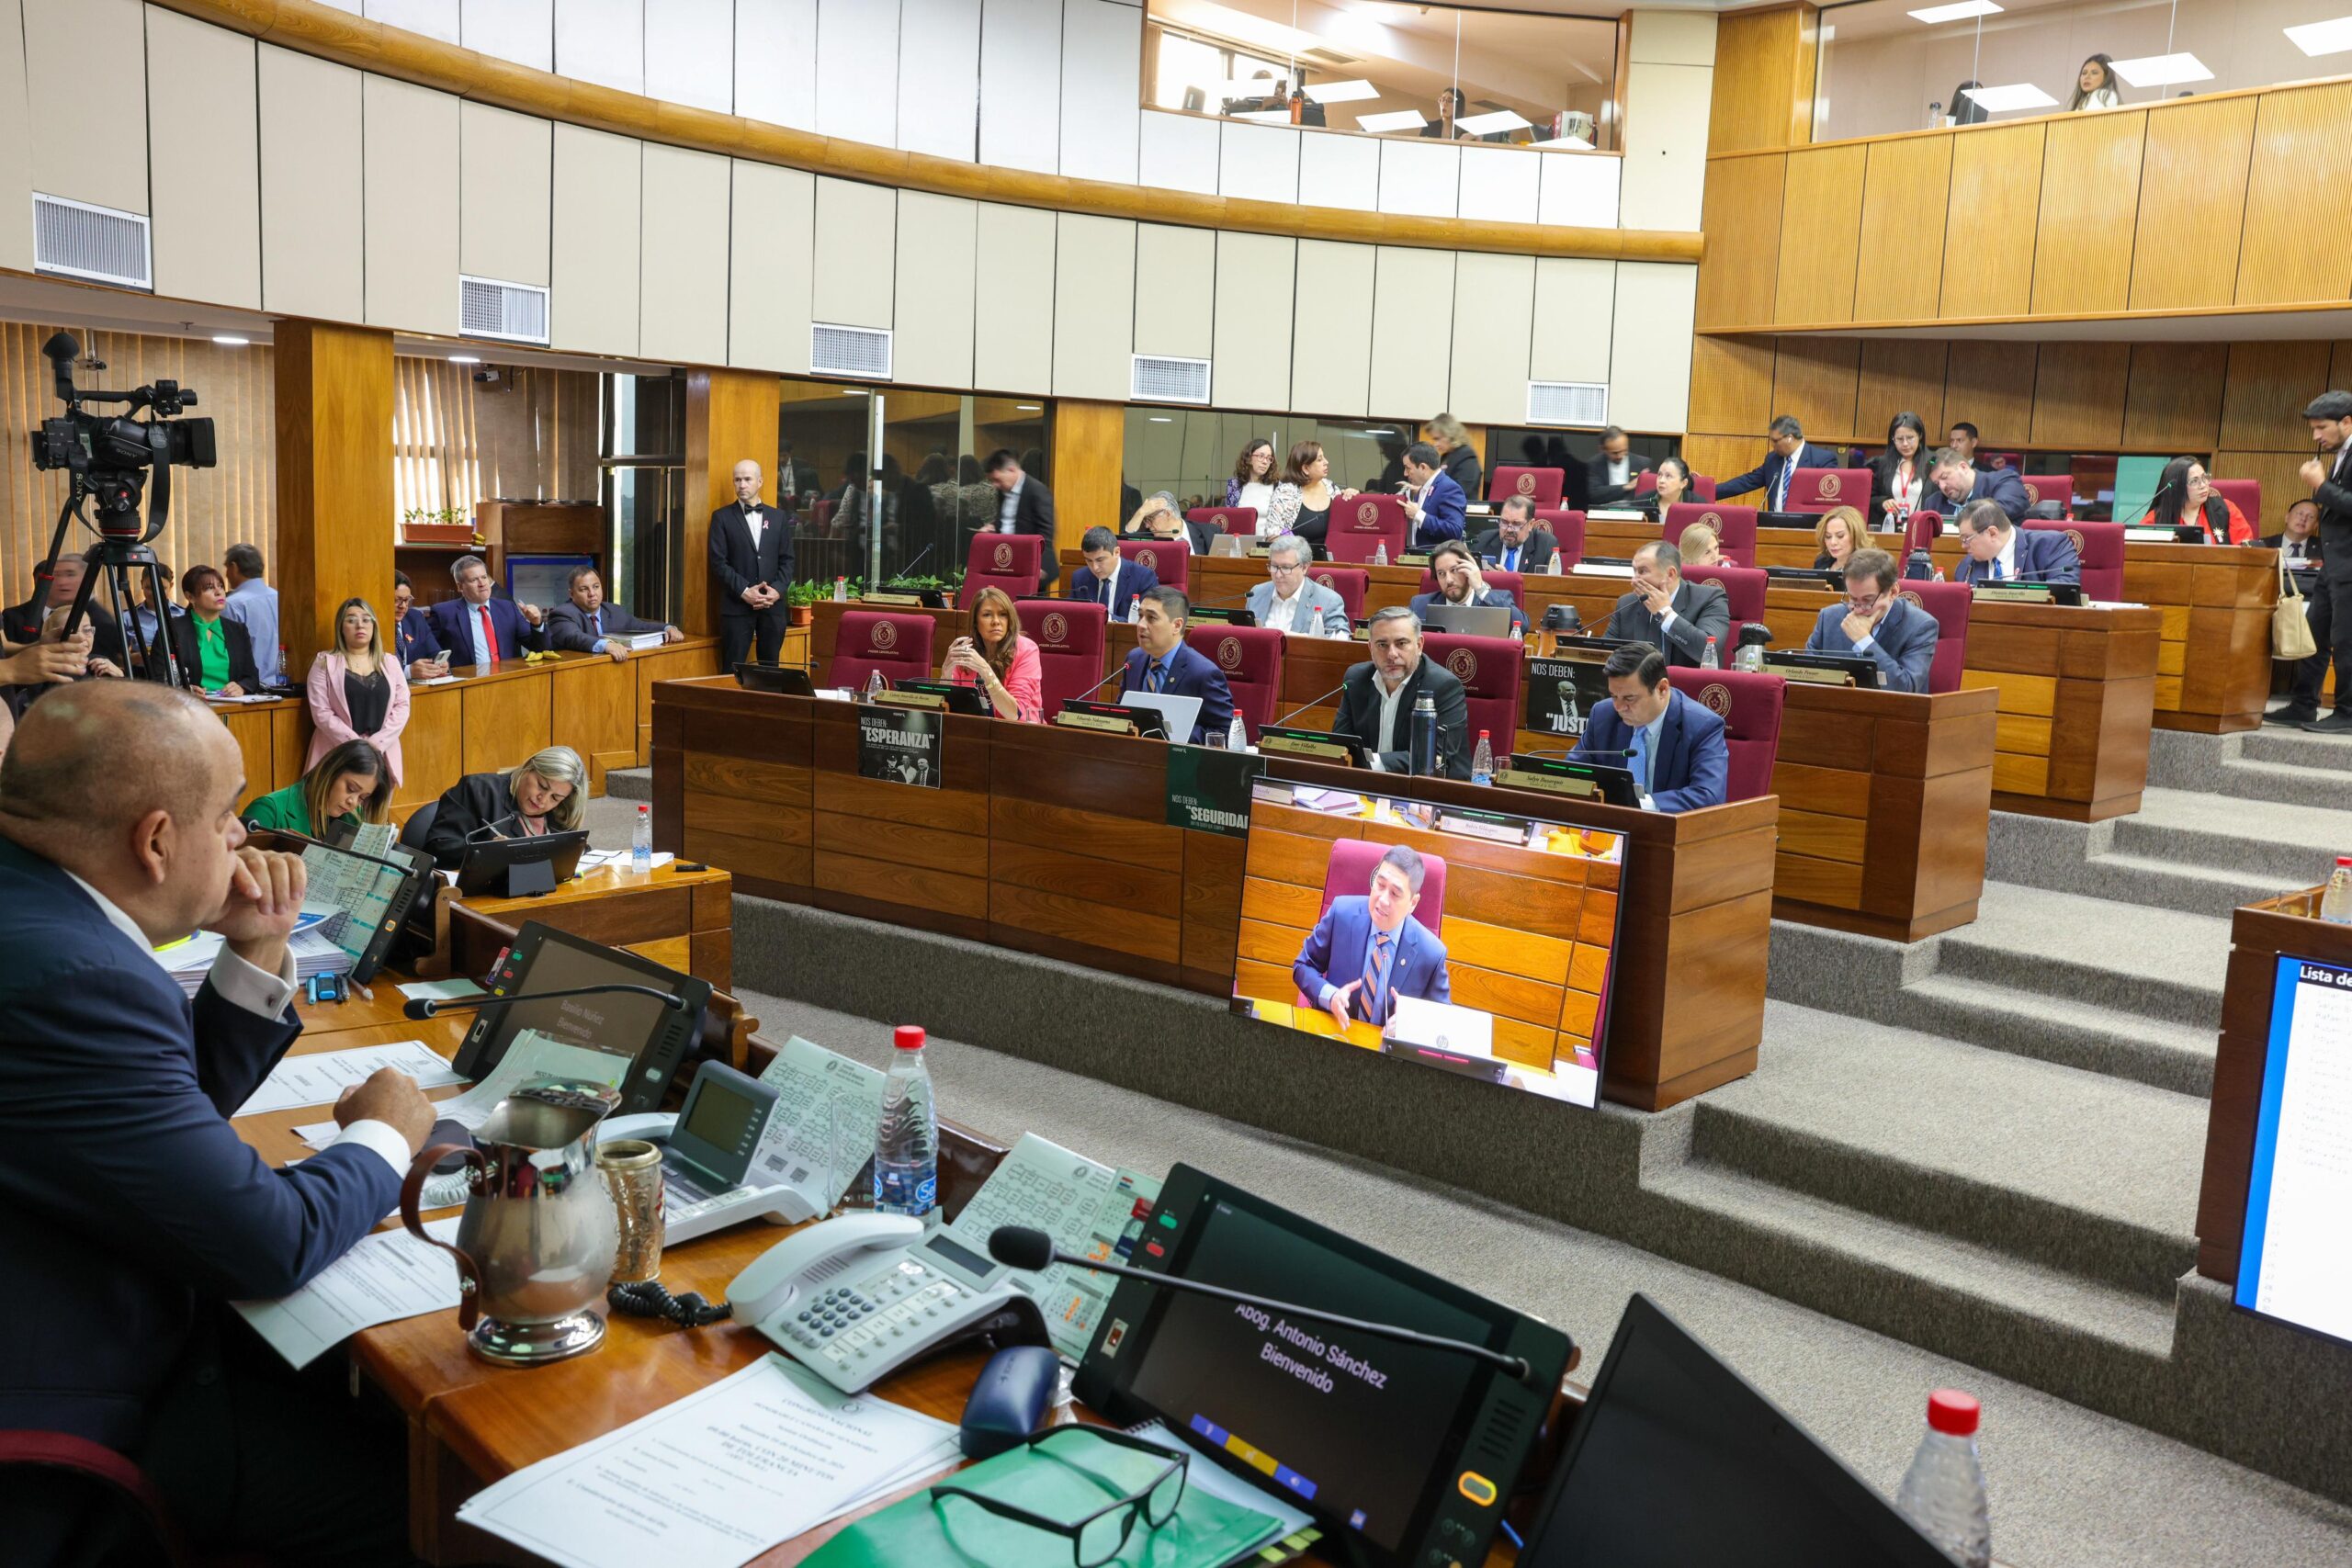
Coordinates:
(800,602)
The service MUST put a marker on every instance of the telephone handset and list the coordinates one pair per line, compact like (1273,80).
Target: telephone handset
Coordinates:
(856,1298)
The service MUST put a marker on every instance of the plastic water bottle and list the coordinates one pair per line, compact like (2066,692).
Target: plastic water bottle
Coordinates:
(1482,762)
(875,685)
(1943,1492)
(641,842)
(2336,903)
(906,1149)
(1424,741)
(1711,660)
(1237,735)
(840,590)
(1380,553)
(1552,565)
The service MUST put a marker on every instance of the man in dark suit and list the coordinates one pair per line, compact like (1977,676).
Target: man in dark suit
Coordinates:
(1376,701)
(1963,438)
(1958,483)
(1110,579)
(1160,661)
(1459,582)
(1790,452)
(2330,476)
(1675,749)
(1024,506)
(1367,950)
(1879,625)
(1670,615)
(1436,505)
(419,651)
(480,630)
(1993,550)
(2298,545)
(1610,478)
(751,565)
(130,1212)
(1515,543)
(585,624)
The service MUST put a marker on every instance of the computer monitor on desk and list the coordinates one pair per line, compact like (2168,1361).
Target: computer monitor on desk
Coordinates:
(626,1040)
(521,867)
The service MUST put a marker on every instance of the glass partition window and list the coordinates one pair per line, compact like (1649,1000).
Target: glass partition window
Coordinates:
(1892,65)
(1383,69)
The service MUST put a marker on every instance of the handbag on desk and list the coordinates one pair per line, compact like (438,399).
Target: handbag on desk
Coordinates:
(2291,633)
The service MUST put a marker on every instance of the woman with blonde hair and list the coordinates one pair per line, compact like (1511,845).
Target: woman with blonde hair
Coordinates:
(1452,439)
(548,793)
(1837,536)
(1700,546)
(356,692)
(996,657)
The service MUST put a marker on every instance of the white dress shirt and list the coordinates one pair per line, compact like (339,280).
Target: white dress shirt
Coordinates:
(1619,472)
(1008,504)
(1283,615)
(264,995)
(1392,703)
(757,522)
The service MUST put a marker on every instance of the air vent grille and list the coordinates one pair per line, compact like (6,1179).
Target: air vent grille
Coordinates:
(1161,380)
(1567,402)
(862,352)
(74,238)
(514,312)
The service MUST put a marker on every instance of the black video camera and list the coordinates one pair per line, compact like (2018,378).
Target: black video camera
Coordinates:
(108,455)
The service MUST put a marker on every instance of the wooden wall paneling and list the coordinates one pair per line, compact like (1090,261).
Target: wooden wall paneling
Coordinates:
(506,722)
(1719,457)
(2262,398)
(2090,197)
(2299,199)
(1741,212)
(2191,221)
(1763,80)
(2078,394)
(1816,379)
(1087,441)
(1731,383)
(2174,400)
(333,415)
(2340,371)
(1899,272)
(595,713)
(730,415)
(1991,385)
(1821,204)
(1899,375)
(2282,482)
(1988,232)
(432,746)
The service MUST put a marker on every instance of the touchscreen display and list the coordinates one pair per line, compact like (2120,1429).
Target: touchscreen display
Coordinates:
(1351,1424)
(618,1022)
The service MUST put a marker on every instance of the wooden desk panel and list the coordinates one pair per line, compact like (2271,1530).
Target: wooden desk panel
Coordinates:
(682,918)
(506,722)
(592,709)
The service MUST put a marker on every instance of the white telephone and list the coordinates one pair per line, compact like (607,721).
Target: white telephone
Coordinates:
(854,1299)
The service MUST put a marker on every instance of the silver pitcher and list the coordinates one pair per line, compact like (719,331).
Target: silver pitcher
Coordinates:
(534,1246)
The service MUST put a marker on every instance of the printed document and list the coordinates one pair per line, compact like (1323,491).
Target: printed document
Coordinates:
(820,1134)
(321,1078)
(389,1276)
(1088,1208)
(531,1056)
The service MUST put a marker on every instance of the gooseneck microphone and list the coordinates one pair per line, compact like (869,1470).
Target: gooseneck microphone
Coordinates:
(426,1007)
(1317,703)
(1023,1248)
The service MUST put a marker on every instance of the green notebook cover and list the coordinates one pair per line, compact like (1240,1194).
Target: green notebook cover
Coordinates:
(1067,1480)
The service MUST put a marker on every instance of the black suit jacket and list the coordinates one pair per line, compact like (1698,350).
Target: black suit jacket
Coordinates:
(1033,512)
(1360,716)
(1883,485)
(2278,542)
(1598,492)
(738,564)
(568,626)
(2335,498)
(241,654)
(1702,609)
(473,803)
(1535,556)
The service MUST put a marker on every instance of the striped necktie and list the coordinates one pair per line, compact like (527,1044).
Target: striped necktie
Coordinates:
(1154,676)
(1375,977)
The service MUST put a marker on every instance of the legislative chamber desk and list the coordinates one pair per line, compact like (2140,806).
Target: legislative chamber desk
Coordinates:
(682,919)
(1056,842)
(489,719)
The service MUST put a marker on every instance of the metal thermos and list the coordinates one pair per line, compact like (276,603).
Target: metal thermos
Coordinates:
(1424,746)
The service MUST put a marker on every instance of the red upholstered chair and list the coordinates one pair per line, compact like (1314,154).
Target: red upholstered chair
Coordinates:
(1921,528)
(821,514)
(89,1481)
(1512,583)
(2059,487)
(1358,526)
(1544,485)
(896,643)
(1819,489)
(1250,659)
(1348,874)
(1702,485)
(1948,602)
(1170,560)
(1069,634)
(1566,526)
(1749,705)
(1743,586)
(1734,526)
(1487,668)
(1227,519)
(2247,495)
(1010,561)
(2100,548)
(1347,581)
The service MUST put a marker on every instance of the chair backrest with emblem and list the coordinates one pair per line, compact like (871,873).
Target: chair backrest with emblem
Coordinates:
(2057,490)
(1347,581)
(1170,560)
(1068,635)
(1821,490)
(1226,519)
(1541,486)
(1010,561)
(1735,528)
(1250,660)
(1743,588)
(1948,602)
(1361,524)
(896,643)
(1565,524)
(1487,668)
(2100,547)
(1749,705)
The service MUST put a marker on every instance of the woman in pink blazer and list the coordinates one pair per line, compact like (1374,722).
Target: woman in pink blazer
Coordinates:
(356,692)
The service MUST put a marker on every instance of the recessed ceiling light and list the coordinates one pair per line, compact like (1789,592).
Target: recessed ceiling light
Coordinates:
(2015,95)
(2322,38)
(230,340)
(1030,408)
(1488,124)
(1342,92)
(1395,120)
(2162,70)
(465,360)
(1162,419)
(1964,9)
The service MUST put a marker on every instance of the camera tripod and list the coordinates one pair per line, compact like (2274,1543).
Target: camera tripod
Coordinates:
(122,559)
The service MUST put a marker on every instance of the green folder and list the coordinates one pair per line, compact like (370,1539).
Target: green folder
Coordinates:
(1068,1481)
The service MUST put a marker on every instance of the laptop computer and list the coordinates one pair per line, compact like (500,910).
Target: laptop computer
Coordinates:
(1467,620)
(1177,713)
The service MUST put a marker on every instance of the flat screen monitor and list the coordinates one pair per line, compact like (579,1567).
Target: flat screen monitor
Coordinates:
(1331,869)
(1677,1462)
(517,866)
(2293,1261)
(1468,620)
(542,580)
(1395,1449)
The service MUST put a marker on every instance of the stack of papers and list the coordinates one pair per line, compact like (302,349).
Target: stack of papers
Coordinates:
(387,1277)
(188,962)
(321,1078)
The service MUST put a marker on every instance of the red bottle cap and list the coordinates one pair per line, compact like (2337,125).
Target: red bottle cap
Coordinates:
(1482,735)
(1951,1411)
(909,1037)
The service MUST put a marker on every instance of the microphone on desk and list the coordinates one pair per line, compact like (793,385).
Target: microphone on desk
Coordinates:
(1030,1250)
(427,1007)
(1315,704)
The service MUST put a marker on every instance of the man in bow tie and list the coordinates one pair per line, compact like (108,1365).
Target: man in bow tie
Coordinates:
(750,560)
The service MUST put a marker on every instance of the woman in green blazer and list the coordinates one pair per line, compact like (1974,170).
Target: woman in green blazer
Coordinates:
(350,785)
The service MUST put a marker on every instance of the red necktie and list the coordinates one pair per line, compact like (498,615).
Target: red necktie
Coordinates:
(488,634)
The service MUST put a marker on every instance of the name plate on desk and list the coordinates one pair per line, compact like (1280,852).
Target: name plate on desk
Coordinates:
(1319,744)
(892,601)
(1103,721)
(2014,592)
(1812,675)
(912,699)
(1414,557)
(1556,783)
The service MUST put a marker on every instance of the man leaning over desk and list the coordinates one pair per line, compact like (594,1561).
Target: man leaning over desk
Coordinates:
(1878,623)
(1675,749)
(130,1212)
(1995,550)
(1368,950)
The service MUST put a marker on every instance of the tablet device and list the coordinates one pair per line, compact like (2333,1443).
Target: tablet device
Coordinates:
(635,1043)
(516,868)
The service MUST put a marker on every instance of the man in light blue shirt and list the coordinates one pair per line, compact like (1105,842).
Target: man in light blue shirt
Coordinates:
(253,603)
